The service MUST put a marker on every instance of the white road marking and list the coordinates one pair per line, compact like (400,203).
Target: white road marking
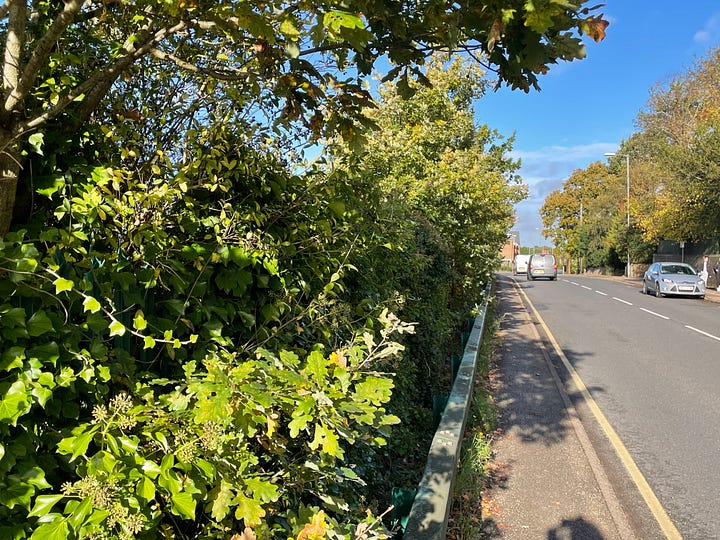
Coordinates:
(600,292)
(586,287)
(703,333)
(621,300)
(656,314)
(574,283)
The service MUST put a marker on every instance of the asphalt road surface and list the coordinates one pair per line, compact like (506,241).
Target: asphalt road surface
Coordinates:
(653,367)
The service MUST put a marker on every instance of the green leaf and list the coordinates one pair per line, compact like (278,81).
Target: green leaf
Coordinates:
(316,366)
(183,504)
(221,499)
(117,328)
(12,358)
(262,489)
(149,342)
(36,142)
(298,424)
(76,445)
(19,494)
(249,510)
(80,513)
(91,304)
(146,489)
(14,403)
(44,504)
(39,324)
(139,322)
(62,284)
(57,530)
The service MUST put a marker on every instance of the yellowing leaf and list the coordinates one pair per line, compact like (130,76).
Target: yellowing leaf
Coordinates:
(91,304)
(62,284)
(139,322)
(314,530)
(149,342)
(249,510)
(117,328)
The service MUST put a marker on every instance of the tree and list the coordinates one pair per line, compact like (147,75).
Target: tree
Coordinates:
(61,60)
(678,145)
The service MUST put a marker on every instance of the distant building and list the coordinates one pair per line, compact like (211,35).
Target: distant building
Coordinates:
(511,247)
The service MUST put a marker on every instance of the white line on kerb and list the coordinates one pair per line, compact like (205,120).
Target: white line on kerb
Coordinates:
(621,300)
(600,292)
(586,287)
(653,313)
(703,333)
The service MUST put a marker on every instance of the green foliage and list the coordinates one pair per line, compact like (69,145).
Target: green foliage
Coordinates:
(175,358)
(441,192)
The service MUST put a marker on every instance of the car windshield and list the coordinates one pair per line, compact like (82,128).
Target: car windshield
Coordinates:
(677,269)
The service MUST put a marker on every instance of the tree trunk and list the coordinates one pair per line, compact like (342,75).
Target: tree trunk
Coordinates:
(9,171)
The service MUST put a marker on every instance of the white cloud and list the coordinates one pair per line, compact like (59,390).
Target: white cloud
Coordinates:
(710,33)
(544,171)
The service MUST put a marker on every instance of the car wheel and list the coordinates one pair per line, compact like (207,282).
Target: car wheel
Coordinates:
(657,290)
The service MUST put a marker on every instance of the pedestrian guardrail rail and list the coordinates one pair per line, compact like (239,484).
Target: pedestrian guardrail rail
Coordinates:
(431,507)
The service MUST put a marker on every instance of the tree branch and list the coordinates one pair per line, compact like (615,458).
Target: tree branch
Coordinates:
(41,52)
(17,14)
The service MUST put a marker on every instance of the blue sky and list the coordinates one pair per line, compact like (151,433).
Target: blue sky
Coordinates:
(586,108)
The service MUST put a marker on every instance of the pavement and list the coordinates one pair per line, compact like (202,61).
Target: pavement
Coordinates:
(548,479)
(553,475)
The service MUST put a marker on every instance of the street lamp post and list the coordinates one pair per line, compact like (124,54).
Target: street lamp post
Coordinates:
(627,188)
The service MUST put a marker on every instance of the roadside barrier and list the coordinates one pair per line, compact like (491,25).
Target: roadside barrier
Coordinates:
(432,504)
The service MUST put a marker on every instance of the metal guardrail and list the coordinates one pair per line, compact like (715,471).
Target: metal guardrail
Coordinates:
(431,508)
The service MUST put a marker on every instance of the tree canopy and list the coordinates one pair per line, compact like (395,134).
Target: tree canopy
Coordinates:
(675,179)
(299,63)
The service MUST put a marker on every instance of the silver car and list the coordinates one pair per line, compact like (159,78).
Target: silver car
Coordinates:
(542,265)
(673,278)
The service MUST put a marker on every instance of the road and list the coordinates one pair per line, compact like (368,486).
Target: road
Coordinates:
(653,367)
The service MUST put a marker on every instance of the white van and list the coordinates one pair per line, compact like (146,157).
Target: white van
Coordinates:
(520,264)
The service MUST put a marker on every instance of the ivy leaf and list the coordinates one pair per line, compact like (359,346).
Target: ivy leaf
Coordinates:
(76,445)
(91,304)
(57,530)
(62,284)
(146,489)
(39,324)
(183,504)
(44,504)
(117,328)
(139,322)
(14,403)
(12,358)
(149,342)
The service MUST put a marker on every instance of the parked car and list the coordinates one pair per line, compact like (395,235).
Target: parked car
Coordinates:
(520,264)
(542,265)
(673,278)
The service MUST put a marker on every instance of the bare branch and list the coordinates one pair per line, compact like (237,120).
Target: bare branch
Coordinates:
(223,75)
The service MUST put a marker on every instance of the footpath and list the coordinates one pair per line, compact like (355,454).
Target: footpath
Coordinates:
(548,480)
